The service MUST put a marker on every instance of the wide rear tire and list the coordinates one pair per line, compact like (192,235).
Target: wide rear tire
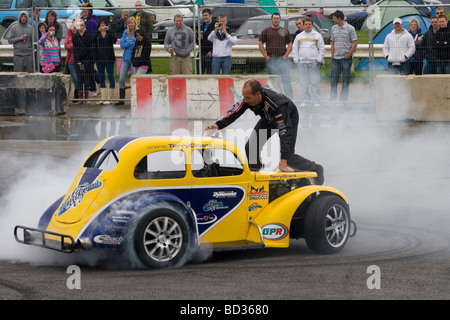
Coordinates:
(161,239)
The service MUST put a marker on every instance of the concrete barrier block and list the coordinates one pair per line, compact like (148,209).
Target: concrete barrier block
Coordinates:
(33,93)
(189,96)
(419,98)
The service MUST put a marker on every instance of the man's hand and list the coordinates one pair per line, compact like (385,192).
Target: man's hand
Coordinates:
(283,165)
(211,129)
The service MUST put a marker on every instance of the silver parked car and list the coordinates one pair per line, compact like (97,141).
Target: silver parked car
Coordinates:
(249,32)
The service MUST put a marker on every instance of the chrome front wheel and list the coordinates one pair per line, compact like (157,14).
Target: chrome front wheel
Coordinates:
(327,224)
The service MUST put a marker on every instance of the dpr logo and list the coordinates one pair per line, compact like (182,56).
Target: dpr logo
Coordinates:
(274,231)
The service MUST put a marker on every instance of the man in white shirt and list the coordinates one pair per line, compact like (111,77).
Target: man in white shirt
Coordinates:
(308,52)
(222,46)
(398,47)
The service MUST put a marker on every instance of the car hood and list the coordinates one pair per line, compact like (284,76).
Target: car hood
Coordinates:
(264,176)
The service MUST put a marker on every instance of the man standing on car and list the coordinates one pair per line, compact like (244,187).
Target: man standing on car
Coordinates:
(20,37)
(343,44)
(144,20)
(278,43)
(278,114)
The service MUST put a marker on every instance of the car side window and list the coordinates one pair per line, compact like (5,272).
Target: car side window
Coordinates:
(292,26)
(22,4)
(167,164)
(215,163)
(41,3)
(103,159)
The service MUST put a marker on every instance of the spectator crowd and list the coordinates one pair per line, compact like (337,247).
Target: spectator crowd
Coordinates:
(91,58)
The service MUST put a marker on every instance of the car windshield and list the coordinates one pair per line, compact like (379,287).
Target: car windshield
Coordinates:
(181,2)
(102,3)
(253,27)
(5,4)
(57,3)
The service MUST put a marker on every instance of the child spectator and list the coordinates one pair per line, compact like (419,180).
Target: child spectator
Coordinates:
(50,51)
(140,59)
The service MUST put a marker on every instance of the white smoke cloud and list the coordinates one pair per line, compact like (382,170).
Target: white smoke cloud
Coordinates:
(37,179)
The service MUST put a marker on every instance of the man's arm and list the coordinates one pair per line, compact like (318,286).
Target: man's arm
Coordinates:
(288,50)
(411,48)
(234,113)
(263,50)
(352,49)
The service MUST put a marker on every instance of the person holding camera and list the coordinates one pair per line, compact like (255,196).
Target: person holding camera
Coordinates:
(222,45)
(50,51)
(104,40)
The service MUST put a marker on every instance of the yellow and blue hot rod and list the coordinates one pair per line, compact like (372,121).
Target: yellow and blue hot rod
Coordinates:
(162,196)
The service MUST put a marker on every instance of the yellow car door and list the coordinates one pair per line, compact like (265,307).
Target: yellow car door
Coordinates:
(219,195)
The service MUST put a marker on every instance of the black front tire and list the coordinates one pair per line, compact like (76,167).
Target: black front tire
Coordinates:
(161,239)
(327,224)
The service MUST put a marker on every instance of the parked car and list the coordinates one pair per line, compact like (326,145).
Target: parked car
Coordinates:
(236,15)
(165,10)
(114,7)
(161,198)
(251,29)
(326,7)
(64,23)
(249,32)
(8,17)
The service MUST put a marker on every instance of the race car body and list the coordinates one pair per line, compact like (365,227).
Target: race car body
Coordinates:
(161,196)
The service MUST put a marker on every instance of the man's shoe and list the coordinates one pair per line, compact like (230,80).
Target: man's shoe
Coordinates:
(320,178)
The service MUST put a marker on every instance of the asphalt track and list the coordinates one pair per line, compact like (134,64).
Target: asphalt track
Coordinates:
(395,175)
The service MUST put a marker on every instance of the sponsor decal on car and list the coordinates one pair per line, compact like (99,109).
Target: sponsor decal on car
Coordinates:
(206,218)
(257,193)
(107,239)
(254,206)
(213,205)
(274,231)
(224,194)
(77,196)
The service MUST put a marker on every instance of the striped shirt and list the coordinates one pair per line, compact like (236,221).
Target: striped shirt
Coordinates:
(342,38)
(50,49)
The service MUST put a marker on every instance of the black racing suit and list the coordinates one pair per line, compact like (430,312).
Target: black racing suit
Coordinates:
(278,113)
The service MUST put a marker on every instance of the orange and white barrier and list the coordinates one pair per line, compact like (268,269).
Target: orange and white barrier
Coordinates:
(188,97)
